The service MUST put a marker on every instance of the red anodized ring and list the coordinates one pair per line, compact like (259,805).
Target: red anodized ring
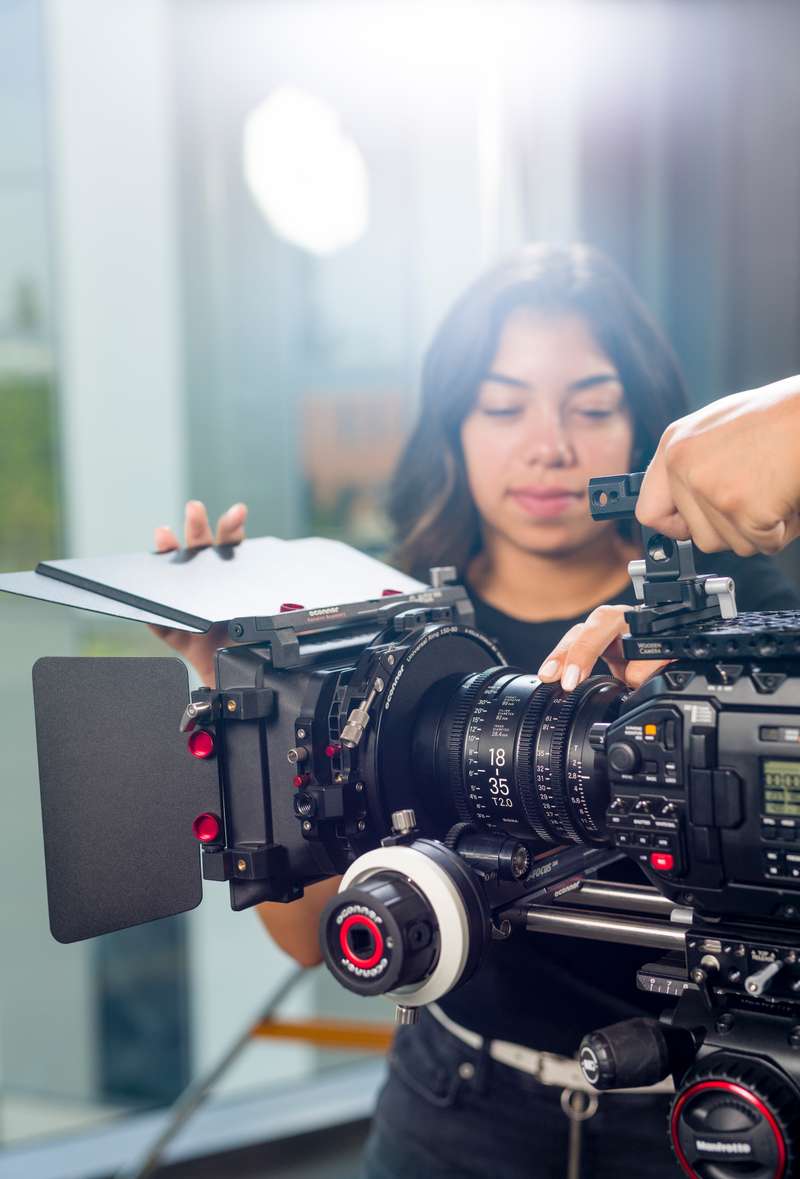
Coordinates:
(374,958)
(743,1095)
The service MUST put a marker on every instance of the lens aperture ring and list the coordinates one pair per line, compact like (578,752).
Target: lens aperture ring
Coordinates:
(466,700)
(571,798)
(525,764)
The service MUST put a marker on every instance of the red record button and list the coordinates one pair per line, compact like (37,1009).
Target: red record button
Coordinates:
(662,861)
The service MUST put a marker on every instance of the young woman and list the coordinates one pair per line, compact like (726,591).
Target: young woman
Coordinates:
(546,372)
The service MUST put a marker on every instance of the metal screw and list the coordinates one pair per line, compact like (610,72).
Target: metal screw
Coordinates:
(724,1023)
(379,685)
(403,1016)
(791,958)
(231,705)
(390,659)
(740,951)
(359,787)
(698,976)
(241,865)
(404,821)
(338,777)
(306,826)
(466,1070)
(361,825)
(301,734)
(735,976)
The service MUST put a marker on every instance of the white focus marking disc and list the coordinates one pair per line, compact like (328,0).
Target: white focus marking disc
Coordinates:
(445,900)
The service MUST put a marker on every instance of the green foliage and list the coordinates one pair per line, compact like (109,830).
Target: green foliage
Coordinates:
(29,507)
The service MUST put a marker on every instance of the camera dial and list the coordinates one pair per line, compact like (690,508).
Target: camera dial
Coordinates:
(409,921)
(736,1116)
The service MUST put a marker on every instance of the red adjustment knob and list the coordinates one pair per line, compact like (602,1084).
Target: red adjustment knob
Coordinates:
(301,779)
(207,828)
(287,606)
(390,593)
(201,743)
(361,941)
(662,861)
(332,750)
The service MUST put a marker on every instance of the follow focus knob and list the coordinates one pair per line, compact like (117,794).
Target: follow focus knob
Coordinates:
(379,935)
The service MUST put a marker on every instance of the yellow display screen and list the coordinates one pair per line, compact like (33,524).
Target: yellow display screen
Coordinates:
(780,781)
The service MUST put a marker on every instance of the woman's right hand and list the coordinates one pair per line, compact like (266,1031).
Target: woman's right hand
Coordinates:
(198,649)
(600,637)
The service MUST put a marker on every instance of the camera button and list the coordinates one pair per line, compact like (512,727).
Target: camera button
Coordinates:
(701,803)
(727,789)
(705,845)
(699,750)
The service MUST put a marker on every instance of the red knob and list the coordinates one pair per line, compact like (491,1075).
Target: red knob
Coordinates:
(201,743)
(207,827)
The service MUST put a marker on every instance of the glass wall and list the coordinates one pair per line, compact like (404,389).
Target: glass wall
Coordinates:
(175,326)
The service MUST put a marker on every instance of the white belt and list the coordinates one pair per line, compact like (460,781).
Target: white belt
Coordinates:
(547,1067)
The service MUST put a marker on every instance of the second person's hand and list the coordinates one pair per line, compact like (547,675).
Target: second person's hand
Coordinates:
(199,649)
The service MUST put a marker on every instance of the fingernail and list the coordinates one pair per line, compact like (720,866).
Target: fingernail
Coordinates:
(569,679)
(550,667)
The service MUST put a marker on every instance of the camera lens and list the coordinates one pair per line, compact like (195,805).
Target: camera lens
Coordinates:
(513,754)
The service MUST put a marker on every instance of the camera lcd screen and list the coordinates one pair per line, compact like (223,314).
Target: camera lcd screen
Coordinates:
(780,781)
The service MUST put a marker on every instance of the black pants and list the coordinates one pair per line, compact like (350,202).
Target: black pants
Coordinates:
(448,1111)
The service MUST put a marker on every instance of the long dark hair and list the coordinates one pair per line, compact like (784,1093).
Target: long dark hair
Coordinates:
(430,505)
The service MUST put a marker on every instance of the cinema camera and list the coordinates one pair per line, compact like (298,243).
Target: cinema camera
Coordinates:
(460,799)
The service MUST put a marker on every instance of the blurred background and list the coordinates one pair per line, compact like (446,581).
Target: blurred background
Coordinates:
(227,230)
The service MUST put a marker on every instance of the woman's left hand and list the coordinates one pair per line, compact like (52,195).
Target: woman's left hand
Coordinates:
(599,637)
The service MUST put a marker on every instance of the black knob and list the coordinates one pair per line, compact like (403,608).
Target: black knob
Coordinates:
(623,757)
(378,935)
(625,1055)
(597,735)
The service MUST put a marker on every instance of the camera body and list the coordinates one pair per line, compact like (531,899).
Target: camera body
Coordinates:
(459,798)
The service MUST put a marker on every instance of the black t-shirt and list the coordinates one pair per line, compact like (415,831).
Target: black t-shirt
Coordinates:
(547,991)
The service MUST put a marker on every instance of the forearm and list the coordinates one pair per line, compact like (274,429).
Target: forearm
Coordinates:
(295,927)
